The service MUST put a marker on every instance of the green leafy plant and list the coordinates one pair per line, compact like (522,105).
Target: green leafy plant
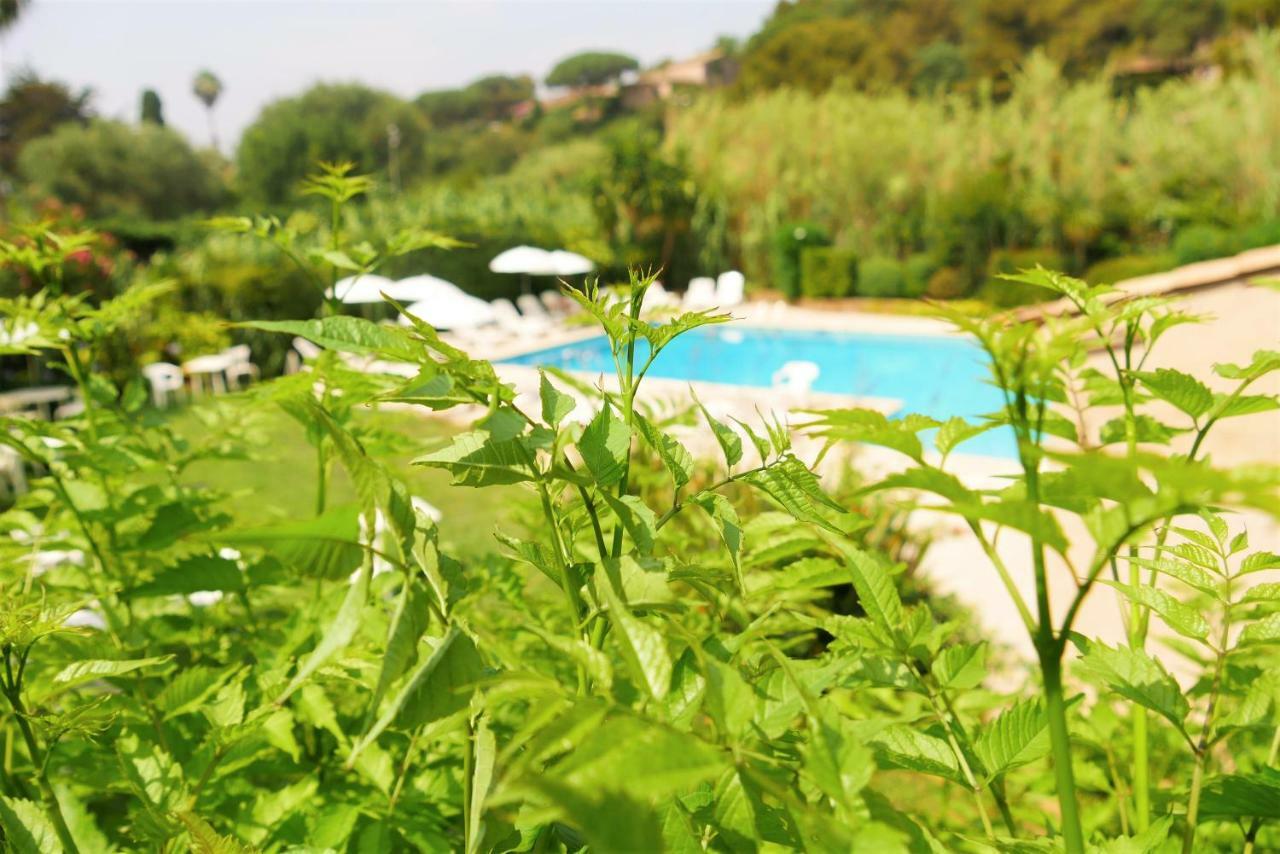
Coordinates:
(668,653)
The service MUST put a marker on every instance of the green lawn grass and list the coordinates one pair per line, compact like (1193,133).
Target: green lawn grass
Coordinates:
(279,481)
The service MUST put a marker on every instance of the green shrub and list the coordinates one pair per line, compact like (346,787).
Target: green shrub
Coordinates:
(881,276)
(328,122)
(114,169)
(1266,233)
(1006,294)
(1202,243)
(947,283)
(828,271)
(788,243)
(916,271)
(1112,270)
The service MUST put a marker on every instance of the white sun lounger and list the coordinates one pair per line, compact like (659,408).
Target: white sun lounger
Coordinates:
(700,295)
(730,288)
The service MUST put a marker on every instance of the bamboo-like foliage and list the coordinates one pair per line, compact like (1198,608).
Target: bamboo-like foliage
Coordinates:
(1065,163)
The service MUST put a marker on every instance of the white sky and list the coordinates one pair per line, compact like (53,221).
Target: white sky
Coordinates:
(266,49)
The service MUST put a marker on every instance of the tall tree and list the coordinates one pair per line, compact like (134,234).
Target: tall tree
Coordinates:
(207,87)
(590,69)
(10,10)
(32,108)
(152,109)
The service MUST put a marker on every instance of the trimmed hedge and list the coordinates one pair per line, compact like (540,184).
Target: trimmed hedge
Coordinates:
(1005,294)
(1203,243)
(947,283)
(916,272)
(1112,270)
(881,276)
(828,271)
(789,242)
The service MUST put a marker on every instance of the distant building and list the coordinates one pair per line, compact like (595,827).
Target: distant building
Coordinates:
(703,71)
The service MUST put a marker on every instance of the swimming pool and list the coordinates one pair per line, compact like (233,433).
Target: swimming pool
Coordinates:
(940,376)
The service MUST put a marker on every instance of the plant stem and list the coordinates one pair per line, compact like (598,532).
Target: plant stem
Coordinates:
(13,693)
(1060,741)
(1202,746)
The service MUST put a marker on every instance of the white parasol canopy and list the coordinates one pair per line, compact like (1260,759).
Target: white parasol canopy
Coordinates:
(568,263)
(366,287)
(532,261)
(529,260)
(442,304)
(423,287)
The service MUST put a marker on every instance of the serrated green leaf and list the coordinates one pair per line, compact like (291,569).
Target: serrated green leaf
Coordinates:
(727,523)
(873,428)
(900,746)
(643,646)
(337,634)
(605,446)
(440,686)
(1228,406)
(477,458)
(1019,736)
(1266,630)
(729,441)
(1263,363)
(325,547)
(192,574)
(408,624)
(1182,391)
(1136,676)
(1254,795)
(26,828)
(555,403)
(674,456)
(1182,618)
(186,691)
(956,431)
(797,490)
(962,666)
(640,758)
(1258,562)
(877,592)
(85,671)
(636,518)
(348,335)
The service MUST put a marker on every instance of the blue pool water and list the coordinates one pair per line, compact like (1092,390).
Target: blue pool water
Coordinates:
(933,375)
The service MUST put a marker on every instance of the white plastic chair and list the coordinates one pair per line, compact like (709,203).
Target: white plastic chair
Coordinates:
(730,288)
(166,381)
(12,471)
(212,368)
(700,295)
(301,352)
(796,377)
(241,366)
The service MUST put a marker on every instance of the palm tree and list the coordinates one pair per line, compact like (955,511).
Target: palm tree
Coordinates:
(9,12)
(207,88)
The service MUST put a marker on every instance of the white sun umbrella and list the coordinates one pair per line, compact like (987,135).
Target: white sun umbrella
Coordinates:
(566,263)
(423,287)
(528,260)
(363,288)
(442,304)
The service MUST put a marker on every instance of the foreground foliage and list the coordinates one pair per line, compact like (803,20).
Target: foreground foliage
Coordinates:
(655,662)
